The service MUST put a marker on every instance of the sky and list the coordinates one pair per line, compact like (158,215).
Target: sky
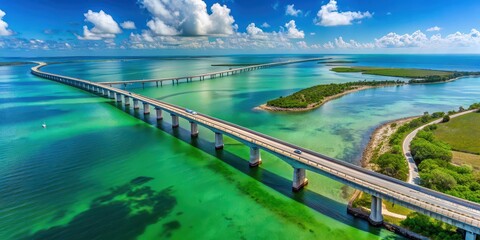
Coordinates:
(31,28)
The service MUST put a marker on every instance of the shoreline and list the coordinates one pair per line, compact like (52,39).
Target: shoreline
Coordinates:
(379,140)
(313,106)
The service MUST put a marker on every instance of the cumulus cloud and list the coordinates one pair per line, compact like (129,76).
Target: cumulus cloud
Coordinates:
(128,25)
(434,29)
(104,26)
(292,31)
(416,39)
(328,15)
(4,31)
(265,25)
(188,18)
(291,11)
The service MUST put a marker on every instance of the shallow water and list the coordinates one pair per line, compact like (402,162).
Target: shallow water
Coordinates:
(96,167)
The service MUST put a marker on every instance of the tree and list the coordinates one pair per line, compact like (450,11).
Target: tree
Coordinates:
(438,180)
(392,165)
(446,119)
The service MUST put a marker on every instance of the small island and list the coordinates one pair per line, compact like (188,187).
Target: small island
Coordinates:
(313,97)
(416,75)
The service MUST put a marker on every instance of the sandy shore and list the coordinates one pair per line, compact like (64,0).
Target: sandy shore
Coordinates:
(316,105)
(378,143)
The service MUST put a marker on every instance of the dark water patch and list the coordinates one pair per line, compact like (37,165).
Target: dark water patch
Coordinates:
(169,228)
(124,207)
(23,114)
(41,98)
(141,180)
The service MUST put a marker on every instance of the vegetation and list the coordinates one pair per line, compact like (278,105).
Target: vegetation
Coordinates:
(393,163)
(432,228)
(417,75)
(461,158)
(316,94)
(436,171)
(461,133)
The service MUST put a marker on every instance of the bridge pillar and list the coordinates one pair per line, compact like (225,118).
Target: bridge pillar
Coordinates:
(127,100)
(255,158)
(218,141)
(193,129)
(159,113)
(470,235)
(135,104)
(111,94)
(146,108)
(299,179)
(119,97)
(376,217)
(175,121)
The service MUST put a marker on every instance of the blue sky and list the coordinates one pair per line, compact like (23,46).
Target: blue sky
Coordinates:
(150,27)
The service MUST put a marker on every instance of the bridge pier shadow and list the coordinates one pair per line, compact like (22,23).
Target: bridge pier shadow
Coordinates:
(310,198)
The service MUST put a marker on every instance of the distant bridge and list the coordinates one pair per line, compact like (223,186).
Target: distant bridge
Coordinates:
(455,211)
(211,75)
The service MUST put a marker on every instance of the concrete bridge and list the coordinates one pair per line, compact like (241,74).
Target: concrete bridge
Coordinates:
(211,75)
(455,211)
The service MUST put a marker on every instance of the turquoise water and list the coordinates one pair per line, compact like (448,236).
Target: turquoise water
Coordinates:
(98,172)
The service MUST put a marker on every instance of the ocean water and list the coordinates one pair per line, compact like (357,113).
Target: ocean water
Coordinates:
(100,171)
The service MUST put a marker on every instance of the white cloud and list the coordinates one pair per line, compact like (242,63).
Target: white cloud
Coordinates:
(328,15)
(340,43)
(292,31)
(302,45)
(291,11)
(255,32)
(128,25)
(188,18)
(4,31)
(265,25)
(312,34)
(104,26)
(416,39)
(434,29)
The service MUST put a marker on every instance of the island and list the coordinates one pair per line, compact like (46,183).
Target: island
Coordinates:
(416,75)
(313,97)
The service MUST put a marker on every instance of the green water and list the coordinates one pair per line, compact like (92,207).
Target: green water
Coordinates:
(99,171)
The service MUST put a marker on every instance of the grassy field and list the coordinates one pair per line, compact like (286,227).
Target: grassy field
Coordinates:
(461,158)
(461,133)
(394,72)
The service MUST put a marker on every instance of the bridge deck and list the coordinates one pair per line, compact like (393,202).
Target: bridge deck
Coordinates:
(456,211)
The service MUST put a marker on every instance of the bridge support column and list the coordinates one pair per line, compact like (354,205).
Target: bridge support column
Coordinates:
(119,97)
(175,121)
(255,158)
(146,108)
(218,141)
(127,100)
(159,113)
(111,94)
(470,235)
(193,129)
(299,179)
(135,104)
(376,217)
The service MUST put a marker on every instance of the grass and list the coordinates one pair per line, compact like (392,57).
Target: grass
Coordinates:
(394,72)
(461,158)
(461,133)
